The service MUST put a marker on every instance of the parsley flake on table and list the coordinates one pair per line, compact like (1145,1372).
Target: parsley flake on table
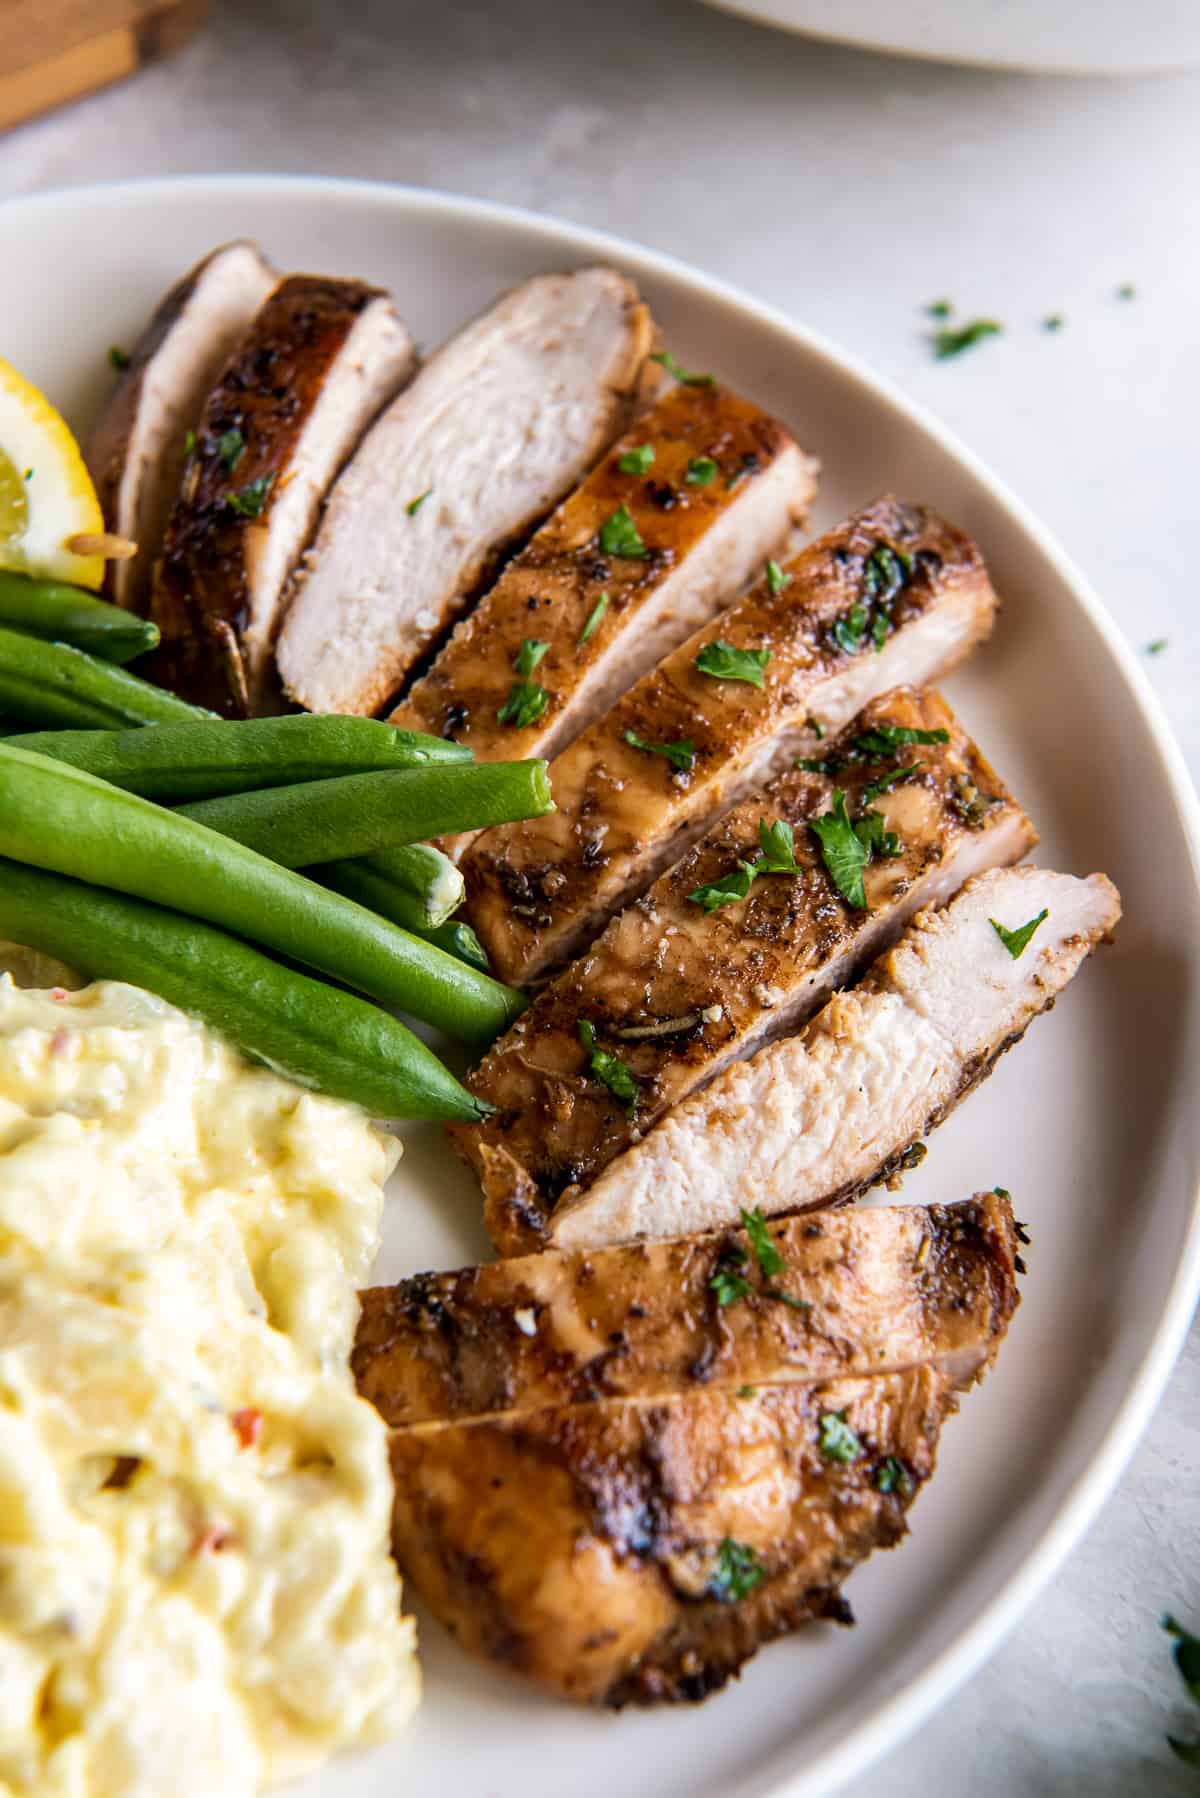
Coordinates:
(1127,291)
(676,370)
(619,536)
(939,309)
(681,755)
(414,505)
(1156,646)
(837,1440)
(1186,1655)
(250,501)
(593,620)
(701,470)
(608,1069)
(637,461)
(737,1571)
(724,662)
(231,447)
(777,580)
(526,700)
(1054,321)
(1017,941)
(952,340)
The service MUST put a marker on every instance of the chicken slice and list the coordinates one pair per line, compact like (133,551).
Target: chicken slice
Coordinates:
(865,1292)
(677,992)
(633,1552)
(318,362)
(137,451)
(499,425)
(711,486)
(817,1118)
(891,596)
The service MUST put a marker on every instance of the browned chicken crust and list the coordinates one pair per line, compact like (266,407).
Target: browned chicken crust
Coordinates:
(882,1291)
(893,595)
(601,615)
(677,992)
(266,394)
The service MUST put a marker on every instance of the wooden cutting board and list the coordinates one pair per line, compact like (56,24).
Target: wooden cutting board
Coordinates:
(52,51)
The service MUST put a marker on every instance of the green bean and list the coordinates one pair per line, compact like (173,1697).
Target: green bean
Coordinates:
(317,1035)
(52,683)
(333,820)
(416,887)
(208,758)
(70,615)
(458,939)
(59,818)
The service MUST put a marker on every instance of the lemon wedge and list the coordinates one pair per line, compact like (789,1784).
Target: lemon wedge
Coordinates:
(46,493)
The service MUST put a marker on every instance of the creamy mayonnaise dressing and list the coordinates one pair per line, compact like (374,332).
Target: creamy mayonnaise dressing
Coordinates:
(196,1595)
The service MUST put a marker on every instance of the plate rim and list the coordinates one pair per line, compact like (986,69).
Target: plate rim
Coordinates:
(934,1684)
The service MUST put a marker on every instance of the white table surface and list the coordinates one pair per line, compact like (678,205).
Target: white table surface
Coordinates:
(849,190)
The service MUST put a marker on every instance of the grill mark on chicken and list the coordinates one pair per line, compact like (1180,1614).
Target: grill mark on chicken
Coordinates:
(883,1290)
(319,360)
(136,454)
(539,891)
(701,550)
(819,1117)
(721,985)
(583,1546)
(500,424)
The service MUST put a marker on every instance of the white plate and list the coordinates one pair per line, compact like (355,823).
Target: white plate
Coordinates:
(1091,1123)
(1105,37)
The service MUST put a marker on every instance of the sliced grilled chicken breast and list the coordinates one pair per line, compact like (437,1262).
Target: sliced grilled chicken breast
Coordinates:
(634,1553)
(137,453)
(677,992)
(893,595)
(320,359)
(816,1119)
(864,1292)
(711,487)
(498,426)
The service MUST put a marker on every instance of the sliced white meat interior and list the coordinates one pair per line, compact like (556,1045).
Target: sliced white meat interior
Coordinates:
(817,1118)
(137,451)
(320,359)
(500,423)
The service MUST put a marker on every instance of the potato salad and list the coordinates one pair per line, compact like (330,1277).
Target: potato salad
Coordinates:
(196,1594)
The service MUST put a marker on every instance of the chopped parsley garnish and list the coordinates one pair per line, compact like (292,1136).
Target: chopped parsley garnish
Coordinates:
(681,755)
(1054,321)
(729,1284)
(777,843)
(893,1476)
(1156,647)
(1187,1660)
(701,470)
(815,764)
(837,1440)
(887,781)
(777,580)
(414,505)
(952,340)
(1017,941)
(849,629)
(526,701)
(939,309)
(872,832)
(665,359)
(619,536)
(231,447)
(593,619)
(608,1069)
(885,572)
(637,461)
(250,501)
(886,739)
(118,358)
(844,853)
(737,1571)
(724,662)
(189,444)
(765,1253)
(816,727)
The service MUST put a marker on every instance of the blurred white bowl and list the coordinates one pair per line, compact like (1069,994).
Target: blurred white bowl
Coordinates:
(1068,37)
